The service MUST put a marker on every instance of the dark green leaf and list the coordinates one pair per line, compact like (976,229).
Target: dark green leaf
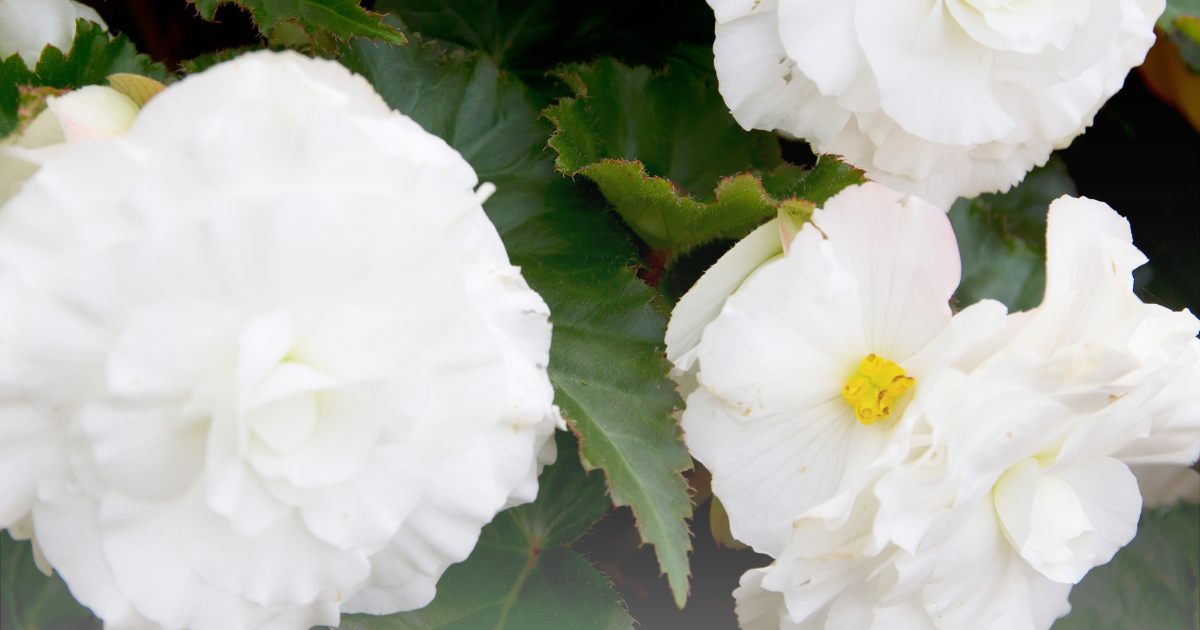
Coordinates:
(341,18)
(92,57)
(665,152)
(13,75)
(674,122)
(606,356)
(531,36)
(31,601)
(208,60)
(1002,239)
(521,575)
(1151,584)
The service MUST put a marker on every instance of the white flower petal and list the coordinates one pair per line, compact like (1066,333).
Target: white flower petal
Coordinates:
(275,350)
(703,302)
(938,98)
(93,111)
(904,255)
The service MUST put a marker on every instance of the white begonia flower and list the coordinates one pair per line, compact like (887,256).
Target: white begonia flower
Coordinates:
(938,98)
(807,384)
(263,358)
(93,111)
(1021,486)
(28,26)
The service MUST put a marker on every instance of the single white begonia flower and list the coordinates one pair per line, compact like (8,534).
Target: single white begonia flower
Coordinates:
(938,98)
(263,358)
(804,372)
(28,26)
(93,111)
(1021,483)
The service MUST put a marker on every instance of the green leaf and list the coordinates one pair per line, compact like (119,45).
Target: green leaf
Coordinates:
(30,600)
(208,60)
(665,152)
(92,57)
(13,75)
(1002,239)
(530,36)
(606,356)
(521,574)
(499,29)
(341,18)
(1153,583)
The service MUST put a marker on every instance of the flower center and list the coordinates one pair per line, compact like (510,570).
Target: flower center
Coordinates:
(874,388)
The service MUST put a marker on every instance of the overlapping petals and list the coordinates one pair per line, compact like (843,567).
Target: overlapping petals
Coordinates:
(1018,481)
(942,98)
(264,358)
(872,273)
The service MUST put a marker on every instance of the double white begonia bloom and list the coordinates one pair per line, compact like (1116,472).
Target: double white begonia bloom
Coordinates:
(28,26)
(938,98)
(770,348)
(1019,482)
(263,358)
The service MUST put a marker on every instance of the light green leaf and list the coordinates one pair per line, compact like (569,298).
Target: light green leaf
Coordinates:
(92,57)
(1151,584)
(30,600)
(521,574)
(665,152)
(606,355)
(341,18)
(1002,239)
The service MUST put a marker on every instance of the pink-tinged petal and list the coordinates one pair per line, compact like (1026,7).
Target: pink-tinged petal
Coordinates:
(704,301)
(93,111)
(903,252)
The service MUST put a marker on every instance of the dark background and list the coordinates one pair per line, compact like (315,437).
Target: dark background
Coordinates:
(1141,157)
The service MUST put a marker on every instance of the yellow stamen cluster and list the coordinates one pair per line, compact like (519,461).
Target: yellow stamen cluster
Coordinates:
(873,390)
